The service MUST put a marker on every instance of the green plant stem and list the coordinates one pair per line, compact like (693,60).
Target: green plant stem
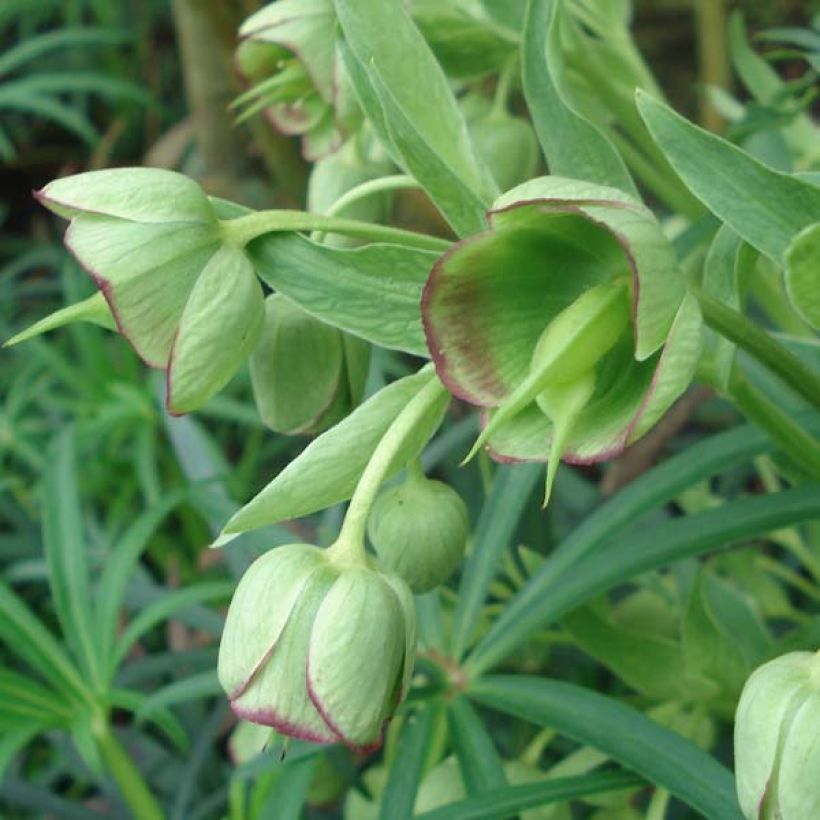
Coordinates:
(759,344)
(127,776)
(246,228)
(396,182)
(789,436)
(350,543)
(715,70)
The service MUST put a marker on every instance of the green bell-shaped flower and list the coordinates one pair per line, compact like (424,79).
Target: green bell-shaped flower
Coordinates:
(777,740)
(288,55)
(318,648)
(183,299)
(306,375)
(568,322)
(419,530)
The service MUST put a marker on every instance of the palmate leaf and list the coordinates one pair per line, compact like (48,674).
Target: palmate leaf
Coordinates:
(661,756)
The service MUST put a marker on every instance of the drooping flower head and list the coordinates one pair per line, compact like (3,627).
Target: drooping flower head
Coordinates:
(186,301)
(567,321)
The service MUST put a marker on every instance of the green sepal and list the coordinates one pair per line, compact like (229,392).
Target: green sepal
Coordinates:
(256,617)
(219,327)
(146,272)
(297,367)
(147,195)
(356,656)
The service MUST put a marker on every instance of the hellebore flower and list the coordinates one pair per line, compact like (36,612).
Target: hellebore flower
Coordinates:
(419,530)
(306,375)
(567,321)
(288,55)
(777,739)
(185,301)
(317,648)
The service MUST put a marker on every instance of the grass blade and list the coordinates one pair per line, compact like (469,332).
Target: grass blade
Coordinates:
(660,755)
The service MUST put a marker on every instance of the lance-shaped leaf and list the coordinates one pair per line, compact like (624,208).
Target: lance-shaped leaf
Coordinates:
(327,471)
(219,326)
(766,207)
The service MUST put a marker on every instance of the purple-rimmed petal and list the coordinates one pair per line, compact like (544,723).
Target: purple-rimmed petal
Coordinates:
(489,298)
(148,195)
(219,327)
(260,608)
(146,273)
(277,693)
(356,656)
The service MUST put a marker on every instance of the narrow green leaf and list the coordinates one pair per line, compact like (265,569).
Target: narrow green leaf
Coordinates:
(26,637)
(65,549)
(418,106)
(660,755)
(18,99)
(509,801)
(803,274)
(372,292)
(195,687)
(573,146)
(557,590)
(31,48)
(511,491)
(164,719)
(119,566)
(165,607)
(23,699)
(94,309)
(327,471)
(406,767)
(767,208)
(481,766)
(286,799)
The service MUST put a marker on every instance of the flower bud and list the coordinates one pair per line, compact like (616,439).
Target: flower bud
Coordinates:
(419,530)
(288,56)
(306,375)
(318,650)
(151,241)
(777,739)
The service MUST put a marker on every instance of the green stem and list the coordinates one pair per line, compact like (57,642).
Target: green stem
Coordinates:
(789,436)
(127,776)
(350,544)
(759,344)
(396,182)
(246,228)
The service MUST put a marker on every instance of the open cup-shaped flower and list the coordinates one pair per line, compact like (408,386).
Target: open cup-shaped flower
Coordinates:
(319,649)
(185,300)
(288,55)
(567,321)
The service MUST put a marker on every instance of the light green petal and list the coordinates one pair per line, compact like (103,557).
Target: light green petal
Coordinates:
(219,327)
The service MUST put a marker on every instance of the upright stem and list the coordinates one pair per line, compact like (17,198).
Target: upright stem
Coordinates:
(747,335)
(789,436)
(715,70)
(246,228)
(350,543)
(127,776)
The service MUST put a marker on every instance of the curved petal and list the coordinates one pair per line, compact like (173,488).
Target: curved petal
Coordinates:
(256,617)
(219,327)
(489,298)
(356,656)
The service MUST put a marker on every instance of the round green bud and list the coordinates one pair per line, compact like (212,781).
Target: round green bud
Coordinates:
(777,739)
(419,530)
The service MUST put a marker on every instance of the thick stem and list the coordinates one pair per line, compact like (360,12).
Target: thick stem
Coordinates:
(715,70)
(350,544)
(790,437)
(246,228)
(132,786)
(397,182)
(759,344)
